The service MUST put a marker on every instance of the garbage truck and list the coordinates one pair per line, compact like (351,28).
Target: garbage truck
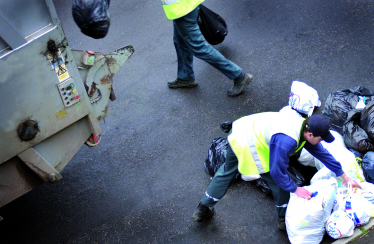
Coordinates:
(52,97)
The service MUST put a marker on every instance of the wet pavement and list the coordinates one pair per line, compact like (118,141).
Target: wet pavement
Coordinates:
(144,181)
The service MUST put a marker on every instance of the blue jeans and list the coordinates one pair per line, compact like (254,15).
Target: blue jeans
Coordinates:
(189,42)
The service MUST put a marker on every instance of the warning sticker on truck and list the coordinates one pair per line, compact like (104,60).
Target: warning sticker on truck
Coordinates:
(58,64)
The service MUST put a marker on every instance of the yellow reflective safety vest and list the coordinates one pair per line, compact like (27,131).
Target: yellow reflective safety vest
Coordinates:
(175,9)
(250,139)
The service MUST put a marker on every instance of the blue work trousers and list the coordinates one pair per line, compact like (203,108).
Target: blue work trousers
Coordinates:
(189,42)
(227,172)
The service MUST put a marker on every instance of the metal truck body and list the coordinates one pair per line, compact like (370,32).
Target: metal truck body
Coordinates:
(52,97)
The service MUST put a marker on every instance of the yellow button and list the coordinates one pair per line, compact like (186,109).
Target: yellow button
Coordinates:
(74,91)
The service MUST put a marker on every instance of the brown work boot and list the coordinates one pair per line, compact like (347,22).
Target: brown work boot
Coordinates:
(178,83)
(282,223)
(203,212)
(239,85)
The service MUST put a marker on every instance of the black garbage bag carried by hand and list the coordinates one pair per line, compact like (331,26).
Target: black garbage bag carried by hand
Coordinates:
(212,26)
(92,17)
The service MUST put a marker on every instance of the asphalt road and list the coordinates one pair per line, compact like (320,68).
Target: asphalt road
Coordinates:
(144,181)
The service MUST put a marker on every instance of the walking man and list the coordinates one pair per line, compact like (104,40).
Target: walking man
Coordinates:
(189,42)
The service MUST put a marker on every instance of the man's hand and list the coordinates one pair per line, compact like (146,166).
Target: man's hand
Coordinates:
(303,193)
(351,181)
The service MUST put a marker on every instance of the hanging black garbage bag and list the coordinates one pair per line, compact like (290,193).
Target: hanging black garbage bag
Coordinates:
(92,17)
(212,26)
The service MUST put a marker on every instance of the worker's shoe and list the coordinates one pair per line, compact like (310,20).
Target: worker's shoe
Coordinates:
(239,84)
(281,223)
(178,83)
(203,212)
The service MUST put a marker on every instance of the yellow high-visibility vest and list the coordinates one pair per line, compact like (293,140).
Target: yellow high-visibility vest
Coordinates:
(175,9)
(251,135)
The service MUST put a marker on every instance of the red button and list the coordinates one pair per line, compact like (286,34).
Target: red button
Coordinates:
(76,96)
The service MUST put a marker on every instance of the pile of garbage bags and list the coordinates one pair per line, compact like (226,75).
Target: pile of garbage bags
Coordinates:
(350,113)
(335,208)
(308,221)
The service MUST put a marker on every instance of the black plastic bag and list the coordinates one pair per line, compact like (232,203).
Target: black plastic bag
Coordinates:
(216,155)
(368,166)
(226,126)
(296,176)
(264,186)
(212,26)
(92,17)
(300,174)
(354,136)
(339,103)
(367,119)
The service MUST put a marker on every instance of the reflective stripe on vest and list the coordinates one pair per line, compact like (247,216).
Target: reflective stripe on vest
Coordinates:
(175,9)
(251,135)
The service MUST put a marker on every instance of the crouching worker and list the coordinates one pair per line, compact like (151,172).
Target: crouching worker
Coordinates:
(262,144)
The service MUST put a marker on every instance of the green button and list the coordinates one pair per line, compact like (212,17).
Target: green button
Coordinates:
(90,60)
(71,85)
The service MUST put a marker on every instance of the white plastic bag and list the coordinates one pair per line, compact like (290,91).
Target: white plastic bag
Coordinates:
(287,110)
(361,103)
(322,174)
(367,186)
(250,177)
(306,158)
(303,98)
(354,204)
(346,158)
(358,208)
(366,192)
(306,219)
(339,225)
